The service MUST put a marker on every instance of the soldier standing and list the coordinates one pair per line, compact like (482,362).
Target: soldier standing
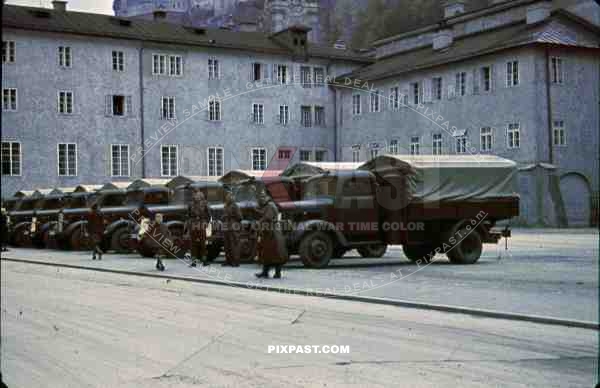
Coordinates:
(4,231)
(272,250)
(232,219)
(163,234)
(96,230)
(196,227)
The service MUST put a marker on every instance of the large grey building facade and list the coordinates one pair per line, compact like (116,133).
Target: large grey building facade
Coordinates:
(93,98)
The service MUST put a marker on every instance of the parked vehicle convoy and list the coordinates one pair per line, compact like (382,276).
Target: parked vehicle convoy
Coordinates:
(22,219)
(46,217)
(175,215)
(70,231)
(429,205)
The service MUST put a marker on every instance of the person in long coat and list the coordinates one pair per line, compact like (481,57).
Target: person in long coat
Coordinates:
(232,218)
(272,249)
(161,233)
(4,230)
(198,220)
(95,226)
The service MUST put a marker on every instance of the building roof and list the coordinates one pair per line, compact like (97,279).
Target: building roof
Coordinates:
(472,45)
(80,23)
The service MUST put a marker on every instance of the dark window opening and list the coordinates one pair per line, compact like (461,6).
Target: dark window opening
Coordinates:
(118,105)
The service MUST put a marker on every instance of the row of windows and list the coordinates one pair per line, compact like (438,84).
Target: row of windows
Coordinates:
(433,89)
(462,144)
(120,159)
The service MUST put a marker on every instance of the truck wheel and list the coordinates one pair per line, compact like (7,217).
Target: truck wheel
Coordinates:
(339,252)
(316,250)
(416,252)
(468,249)
(80,241)
(119,240)
(372,251)
(22,237)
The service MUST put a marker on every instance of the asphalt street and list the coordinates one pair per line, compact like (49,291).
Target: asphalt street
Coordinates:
(75,328)
(544,272)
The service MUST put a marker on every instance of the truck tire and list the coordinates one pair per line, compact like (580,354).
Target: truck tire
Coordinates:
(468,249)
(416,252)
(316,249)
(80,241)
(339,252)
(118,240)
(372,251)
(212,252)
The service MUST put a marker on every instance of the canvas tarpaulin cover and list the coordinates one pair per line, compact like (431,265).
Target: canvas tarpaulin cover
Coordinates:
(430,178)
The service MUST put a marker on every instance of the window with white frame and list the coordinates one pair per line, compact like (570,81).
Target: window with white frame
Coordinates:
(557,70)
(356,107)
(375,101)
(118,105)
(393,147)
(257,71)
(487,138)
(415,145)
(175,67)
(67,159)
(169,162)
(167,108)
(320,155)
(416,93)
(306,116)
(461,144)
(284,114)
(9,99)
(305,76)
(436,145)
(119,160)
(65,102)
(11,158)
(355,154)
(215,161)
(461,83)
(305,155)
(258,113)
(485,75)
(118,61)
(163,64)
(437,88)
(64,56)
(213,68)
(259,159)
(394,98)
(512,73)
(319,77)
(214,110)
(319,116)
(284,154)
(8,51)
(513,135)
(559,134)
(282,74)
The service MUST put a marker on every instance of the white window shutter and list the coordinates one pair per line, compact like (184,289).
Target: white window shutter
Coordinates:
(108,105)
(451,91)
(128,106)
(108,158)
(427,90)
(265,70)
(161,111)
(492,77)
(476,81)
(291,71)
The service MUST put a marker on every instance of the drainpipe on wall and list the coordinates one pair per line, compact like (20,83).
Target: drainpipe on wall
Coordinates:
(549,105)
(143,147)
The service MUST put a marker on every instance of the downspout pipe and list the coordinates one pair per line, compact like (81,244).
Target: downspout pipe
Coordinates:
(141,87)
(549,111)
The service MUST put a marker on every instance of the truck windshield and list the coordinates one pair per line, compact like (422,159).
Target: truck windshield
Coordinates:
(320,188)
(112,200)
(54,203)
(28,204)
(245,193)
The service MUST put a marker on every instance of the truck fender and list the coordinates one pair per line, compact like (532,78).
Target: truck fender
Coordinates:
(305,227)
(117,224)
(72,226)
(22,224)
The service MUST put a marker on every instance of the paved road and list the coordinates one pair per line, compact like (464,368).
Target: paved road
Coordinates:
(549,272)
(73,328)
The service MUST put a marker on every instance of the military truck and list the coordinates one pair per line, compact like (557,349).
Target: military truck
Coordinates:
(22,220)
(175,215)
(45,217)
(429,205)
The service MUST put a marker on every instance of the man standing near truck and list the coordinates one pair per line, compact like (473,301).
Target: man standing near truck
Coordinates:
(272,251)
(232,219)
(196,227)
(96,230)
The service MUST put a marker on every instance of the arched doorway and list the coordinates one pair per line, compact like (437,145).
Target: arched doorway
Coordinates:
(576,195)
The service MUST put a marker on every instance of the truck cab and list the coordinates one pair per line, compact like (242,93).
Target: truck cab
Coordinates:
(23,219)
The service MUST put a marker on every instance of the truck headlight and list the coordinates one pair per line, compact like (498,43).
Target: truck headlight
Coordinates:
(33,225)
(144,223)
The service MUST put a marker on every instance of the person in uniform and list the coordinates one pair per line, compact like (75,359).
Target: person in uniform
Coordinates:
(196,225)
(4,230)
(96,230)
(232,218)
(272,250)
(161,234)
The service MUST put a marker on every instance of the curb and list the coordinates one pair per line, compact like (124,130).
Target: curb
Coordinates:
(354,298)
